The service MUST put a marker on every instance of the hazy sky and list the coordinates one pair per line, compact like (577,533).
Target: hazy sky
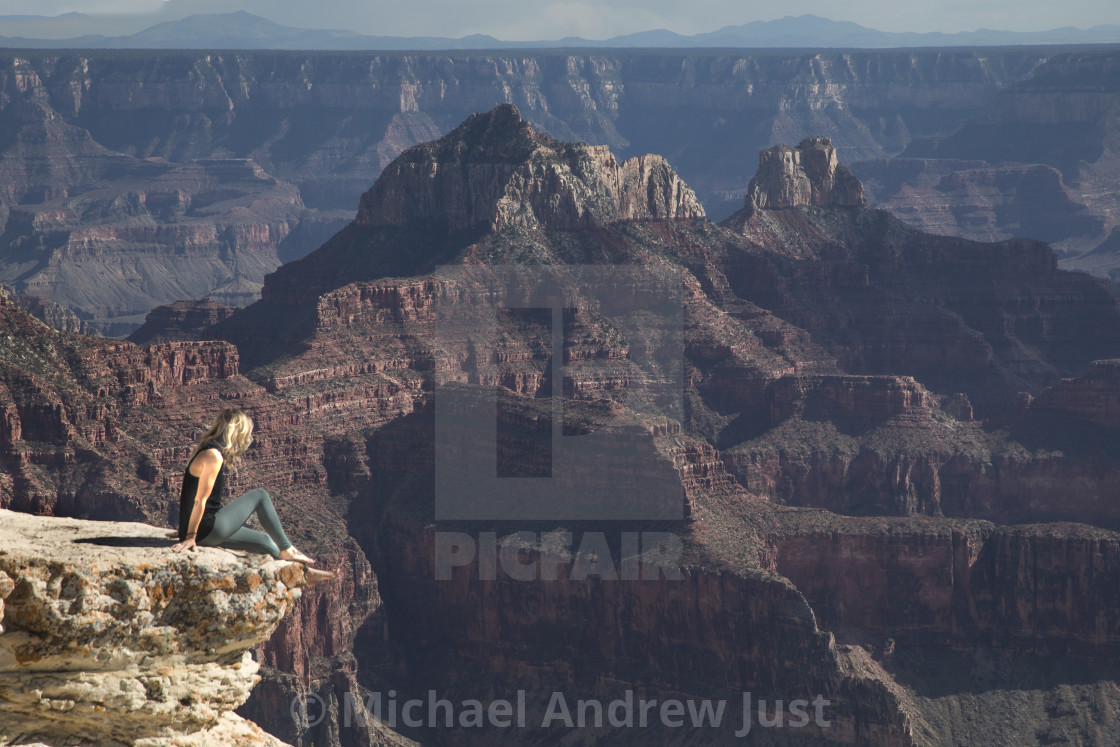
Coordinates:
(597,19)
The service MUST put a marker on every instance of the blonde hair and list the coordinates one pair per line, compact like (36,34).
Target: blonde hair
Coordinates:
(232,428)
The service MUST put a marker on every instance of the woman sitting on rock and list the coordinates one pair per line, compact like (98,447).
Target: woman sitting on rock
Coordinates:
(204,521)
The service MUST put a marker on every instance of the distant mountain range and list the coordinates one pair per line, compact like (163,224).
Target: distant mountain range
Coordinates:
(243,30)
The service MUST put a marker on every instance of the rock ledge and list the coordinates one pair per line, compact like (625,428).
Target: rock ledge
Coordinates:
(109,638)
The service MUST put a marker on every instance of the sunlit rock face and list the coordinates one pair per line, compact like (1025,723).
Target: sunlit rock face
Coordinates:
(496,171)
(809,174)
(110,638)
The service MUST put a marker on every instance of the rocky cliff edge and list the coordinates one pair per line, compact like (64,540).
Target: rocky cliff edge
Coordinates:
(109,638)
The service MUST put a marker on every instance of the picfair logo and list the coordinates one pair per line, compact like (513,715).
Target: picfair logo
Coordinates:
(583,446)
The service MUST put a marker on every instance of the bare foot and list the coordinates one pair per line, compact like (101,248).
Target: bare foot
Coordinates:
(172,534)
(317,575)
(293,554)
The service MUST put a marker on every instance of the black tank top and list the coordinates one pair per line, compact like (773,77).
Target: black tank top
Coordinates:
(190,489)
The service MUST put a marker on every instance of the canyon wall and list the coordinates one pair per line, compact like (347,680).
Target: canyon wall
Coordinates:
(849,392)
(1063,116)
(1042,588)
(1094,397)
(232,163)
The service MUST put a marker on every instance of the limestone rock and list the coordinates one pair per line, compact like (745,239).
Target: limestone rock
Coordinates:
(496,171)
(869,397)
(121,641)
(809,174)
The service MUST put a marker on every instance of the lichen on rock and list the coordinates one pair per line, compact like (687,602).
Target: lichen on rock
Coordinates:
(109,638)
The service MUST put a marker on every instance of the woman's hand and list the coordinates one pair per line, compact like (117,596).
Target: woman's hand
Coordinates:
(187,544)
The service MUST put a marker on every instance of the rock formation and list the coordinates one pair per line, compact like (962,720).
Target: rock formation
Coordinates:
(157,231)
(849,569)
(1102,259)
(1043,119)
(52,313)
(109,638)
(116,403)
(495,171)
(806,175)
(182,320)
(849,398)
(234,163)
(1094,397)
(978,200)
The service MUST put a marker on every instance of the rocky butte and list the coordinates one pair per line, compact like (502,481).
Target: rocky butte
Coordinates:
(496,173)
(893,482)
(809,174)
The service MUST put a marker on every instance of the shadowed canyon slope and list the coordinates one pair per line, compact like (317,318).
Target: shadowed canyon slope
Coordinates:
(892,454)
(181,175)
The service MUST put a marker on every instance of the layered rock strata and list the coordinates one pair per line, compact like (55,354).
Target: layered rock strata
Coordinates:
(1094,397)
(1062,117)
(979,200)
(503,174)
(829,357)
(243,160)
(808,174)
(182,320)
(964,578)
(110,638)
(52,313)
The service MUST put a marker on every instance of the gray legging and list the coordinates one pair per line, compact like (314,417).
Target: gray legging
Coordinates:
(229,531)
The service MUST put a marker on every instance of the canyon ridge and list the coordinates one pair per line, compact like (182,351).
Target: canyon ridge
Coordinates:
(171,176)
(884,460)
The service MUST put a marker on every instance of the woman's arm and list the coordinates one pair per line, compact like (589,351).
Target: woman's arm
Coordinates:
(205,467)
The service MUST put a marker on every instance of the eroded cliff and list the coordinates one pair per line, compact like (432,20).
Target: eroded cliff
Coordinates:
(109,638)
(232,163)
(495,171)
(830,358)
(809,174)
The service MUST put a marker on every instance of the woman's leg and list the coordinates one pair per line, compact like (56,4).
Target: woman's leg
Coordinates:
(249,540)
(229,525)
